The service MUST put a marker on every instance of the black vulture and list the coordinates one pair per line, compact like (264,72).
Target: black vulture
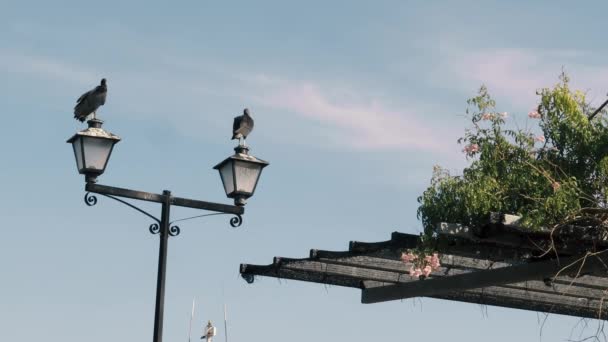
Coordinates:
(88,102)
(242,126)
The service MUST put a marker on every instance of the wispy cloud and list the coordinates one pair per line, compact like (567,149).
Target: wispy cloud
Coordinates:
(342,116)
(516,73)
(355,121)
(45,67)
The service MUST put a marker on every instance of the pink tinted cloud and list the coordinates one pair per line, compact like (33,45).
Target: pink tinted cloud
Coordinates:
(511,73)
(516,74)
(351,118)
(359,123)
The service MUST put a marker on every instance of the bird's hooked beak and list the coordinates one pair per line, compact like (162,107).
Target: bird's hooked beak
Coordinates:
(103,81)
(246,111)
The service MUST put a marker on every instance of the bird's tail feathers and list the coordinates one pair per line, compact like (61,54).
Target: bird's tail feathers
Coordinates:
(80,117)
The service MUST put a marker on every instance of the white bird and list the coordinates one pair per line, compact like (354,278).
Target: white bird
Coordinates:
(209,332)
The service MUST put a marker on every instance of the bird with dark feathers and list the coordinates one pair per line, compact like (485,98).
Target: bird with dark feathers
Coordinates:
(88,102)
(242,126)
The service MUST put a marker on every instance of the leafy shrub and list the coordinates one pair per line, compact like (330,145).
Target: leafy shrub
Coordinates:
(546,179)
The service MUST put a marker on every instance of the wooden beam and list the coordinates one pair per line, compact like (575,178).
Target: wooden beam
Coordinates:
(366,269)
(485,278)
(367,265)
(497,296)
(359,273)
(558,288)
(521,299)
(450,246)
(382,260)
(460,246)
(282,273)
(392,259)
(397,241)
(567,239)
(516,248)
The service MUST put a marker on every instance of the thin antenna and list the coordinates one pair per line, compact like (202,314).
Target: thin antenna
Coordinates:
(225,324)
(191,318)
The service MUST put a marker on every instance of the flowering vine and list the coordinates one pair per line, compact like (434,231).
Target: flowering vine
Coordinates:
(546,173)
(421,265)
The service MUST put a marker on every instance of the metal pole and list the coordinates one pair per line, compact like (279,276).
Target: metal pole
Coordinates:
(191,318)
(225,324)
(162,267)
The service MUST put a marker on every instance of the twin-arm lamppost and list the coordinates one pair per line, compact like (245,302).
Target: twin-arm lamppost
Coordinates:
(239,173)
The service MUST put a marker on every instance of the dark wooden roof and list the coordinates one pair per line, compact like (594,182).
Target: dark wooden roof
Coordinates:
(501,265)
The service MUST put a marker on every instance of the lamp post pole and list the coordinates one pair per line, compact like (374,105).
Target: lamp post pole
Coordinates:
(162,268)
(163,227)
(239,173)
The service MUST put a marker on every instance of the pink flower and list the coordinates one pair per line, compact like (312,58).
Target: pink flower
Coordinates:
(556,186)
(540,138)
(472,148)
(415,272)
(504,115)
(435,261)
(408,257)
(427,270)
(487,116)
(534,115)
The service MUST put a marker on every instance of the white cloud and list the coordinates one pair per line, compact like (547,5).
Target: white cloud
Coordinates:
(356,121)
(45,67)
(344,117)
(516,74)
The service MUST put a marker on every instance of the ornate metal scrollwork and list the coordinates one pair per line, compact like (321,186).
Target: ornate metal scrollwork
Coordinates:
(154,228)
(174,230)
(236,221)
(89,199)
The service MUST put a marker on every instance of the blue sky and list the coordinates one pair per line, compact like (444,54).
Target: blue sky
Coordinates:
(354,103)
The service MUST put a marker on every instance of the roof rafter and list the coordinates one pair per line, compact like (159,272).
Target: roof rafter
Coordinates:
(500,266)
(484,278)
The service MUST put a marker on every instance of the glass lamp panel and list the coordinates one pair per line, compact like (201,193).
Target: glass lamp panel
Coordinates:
(246,175)
(77,144)
(227,177)
(97,152)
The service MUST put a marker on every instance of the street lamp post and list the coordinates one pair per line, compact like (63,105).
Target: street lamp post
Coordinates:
(239,173)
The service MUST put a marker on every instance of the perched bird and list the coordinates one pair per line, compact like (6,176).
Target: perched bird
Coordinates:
(242,126)
(88,102)
(209,332)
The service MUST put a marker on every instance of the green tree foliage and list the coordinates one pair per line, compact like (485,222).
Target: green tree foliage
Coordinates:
(547,179)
